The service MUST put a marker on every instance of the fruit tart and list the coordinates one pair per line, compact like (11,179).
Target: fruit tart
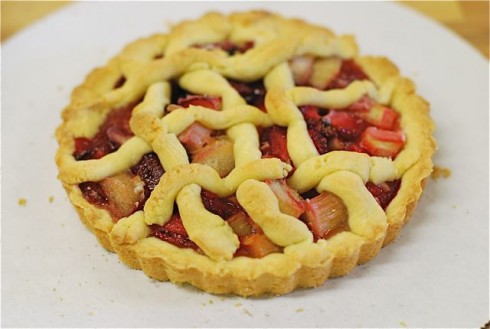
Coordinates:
(246,153)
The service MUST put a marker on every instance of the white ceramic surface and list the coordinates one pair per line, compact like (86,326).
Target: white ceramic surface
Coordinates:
(55,274)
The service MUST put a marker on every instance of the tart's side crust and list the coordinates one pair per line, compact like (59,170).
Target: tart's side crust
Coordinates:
(306,264)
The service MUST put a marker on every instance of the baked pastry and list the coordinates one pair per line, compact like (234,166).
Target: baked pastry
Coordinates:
(245,153)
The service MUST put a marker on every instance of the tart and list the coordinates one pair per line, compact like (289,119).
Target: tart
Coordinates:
(246,153)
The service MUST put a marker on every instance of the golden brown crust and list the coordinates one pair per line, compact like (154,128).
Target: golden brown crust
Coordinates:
(304,263)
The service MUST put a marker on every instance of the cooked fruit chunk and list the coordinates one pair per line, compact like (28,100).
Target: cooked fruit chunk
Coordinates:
(252,92)
(223,207)
(124,192)
(325,215)
(363,104)
(384,143)
(93,193)
(242,225)
(302,68)
(211,102)
(253,242)
(257,246)
(349,72)
(324,71)
(385,192)
(173,232)
(195,137)
(274,144)
(218,155)
(380,116)
(150,170)
(348,126)
(290,202)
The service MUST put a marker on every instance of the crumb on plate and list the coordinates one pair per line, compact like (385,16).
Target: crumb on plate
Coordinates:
(439,172)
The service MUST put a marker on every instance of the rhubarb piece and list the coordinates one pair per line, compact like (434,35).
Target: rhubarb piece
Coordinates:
(325,215)
(173,232)
(290,202)
(242,225)
(257,246)
(253,242)
(324,71)
(124,192)
(385,192)
(381,116)
(217,155)
(274,144)
(195,137)
(383,143)
(302,69)
(348,126)
(364,104)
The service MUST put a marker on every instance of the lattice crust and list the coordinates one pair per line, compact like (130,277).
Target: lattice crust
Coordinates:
(148,67)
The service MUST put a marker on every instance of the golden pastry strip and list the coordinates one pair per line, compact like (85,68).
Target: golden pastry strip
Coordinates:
(159,206)
(209,231)
(282,229)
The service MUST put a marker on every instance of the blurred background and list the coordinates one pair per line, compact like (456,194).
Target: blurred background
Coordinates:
(469,19)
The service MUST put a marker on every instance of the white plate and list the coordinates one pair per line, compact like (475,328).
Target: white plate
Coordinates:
(55,274)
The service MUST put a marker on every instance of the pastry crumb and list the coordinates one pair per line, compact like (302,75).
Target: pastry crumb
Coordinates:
(51,199)
(238,304)
(210,301)
(439,172)
(403,324)
(299,310)
(247,312)
(22,201)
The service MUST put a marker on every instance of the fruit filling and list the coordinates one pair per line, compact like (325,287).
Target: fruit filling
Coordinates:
(273,143)
(127,192)
(385,192)
(325,215)
(252,92)
(113,132)
(204,145)
(364,126)
(227,46)
(173,232)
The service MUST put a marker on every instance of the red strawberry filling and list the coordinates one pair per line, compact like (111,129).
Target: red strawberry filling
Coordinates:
(349,71)
(173,232)
(252,92)
(385,192)
(273,143)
